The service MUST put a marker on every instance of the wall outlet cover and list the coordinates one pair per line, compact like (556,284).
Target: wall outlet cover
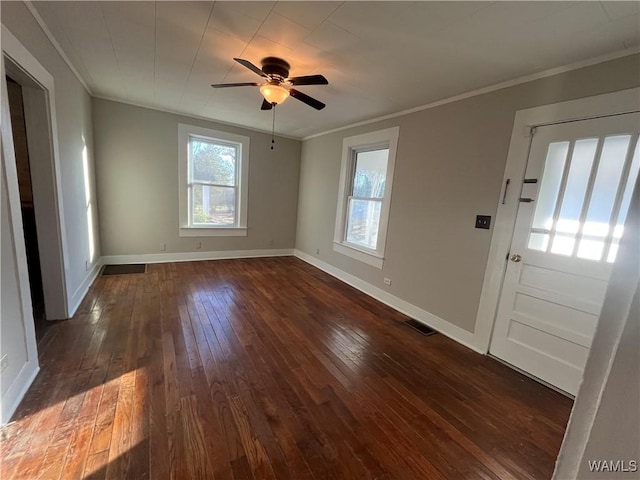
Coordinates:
(483,221)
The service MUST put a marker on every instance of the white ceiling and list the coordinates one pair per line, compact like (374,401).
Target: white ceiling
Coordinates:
(379,57)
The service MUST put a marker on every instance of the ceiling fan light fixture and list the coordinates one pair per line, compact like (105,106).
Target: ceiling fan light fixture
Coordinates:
(274,93)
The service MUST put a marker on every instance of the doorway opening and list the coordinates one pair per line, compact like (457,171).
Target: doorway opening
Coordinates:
(27,207)
(31,99)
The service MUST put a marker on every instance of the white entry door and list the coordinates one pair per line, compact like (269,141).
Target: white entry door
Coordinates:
(574,200)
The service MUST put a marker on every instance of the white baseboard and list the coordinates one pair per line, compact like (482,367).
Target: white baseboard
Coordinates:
(17,390)
(81,291)
(452,331)
(193,256)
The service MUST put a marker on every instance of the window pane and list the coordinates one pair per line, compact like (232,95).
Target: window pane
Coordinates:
(370,173)
(212,162)
(573,199)
(614,153)
(613,251)
(363,222)
(624,206)
(563,244)
(213,205)
(605,188)
(550,186)
(539,241)
(591,249)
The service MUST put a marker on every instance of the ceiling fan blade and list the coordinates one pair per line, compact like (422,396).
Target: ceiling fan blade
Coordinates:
(312,102)
(250,66)
(266,105)
(226,85)
(309,80)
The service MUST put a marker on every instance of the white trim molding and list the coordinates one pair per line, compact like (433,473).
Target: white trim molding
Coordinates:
(624,101)
(17,390)
(452,331)
(81,291)
(40,106)
(194,256)
(185,178)
(24,309)
(43,26)
(491,88)
(351,146)
(360,255)
(213,232)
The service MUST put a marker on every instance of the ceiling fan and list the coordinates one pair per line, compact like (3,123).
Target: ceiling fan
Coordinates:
(277,84)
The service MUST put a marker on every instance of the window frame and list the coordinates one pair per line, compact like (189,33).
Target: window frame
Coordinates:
(351,146)
(189,229)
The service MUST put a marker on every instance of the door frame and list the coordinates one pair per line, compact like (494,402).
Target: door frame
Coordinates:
(40,116)
(624,101)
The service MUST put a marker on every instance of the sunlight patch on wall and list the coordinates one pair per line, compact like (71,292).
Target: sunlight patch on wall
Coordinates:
(88,201)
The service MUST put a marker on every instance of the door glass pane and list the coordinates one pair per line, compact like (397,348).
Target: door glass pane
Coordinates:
(551,178)
(363,222)
(563,244)
(370,173)
(591,249)
(573,199)
(624,206)
(603,196)
(212,162)
(213,205)
(539,241)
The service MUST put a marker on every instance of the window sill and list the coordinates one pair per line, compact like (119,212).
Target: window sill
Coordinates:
(369,258)
(213,232)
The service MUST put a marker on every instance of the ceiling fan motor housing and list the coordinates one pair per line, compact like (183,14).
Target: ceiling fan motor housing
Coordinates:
(277,86)
(274,66)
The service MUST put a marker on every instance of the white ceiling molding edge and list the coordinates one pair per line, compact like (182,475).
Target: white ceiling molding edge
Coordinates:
(469,94)
(56,45)
(491,88)
(196,117)
(60,51)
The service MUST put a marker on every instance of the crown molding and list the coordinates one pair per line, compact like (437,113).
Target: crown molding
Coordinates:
(56,45)
(491,88)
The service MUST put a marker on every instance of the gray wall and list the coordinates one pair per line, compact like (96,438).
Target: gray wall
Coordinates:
(605,417)
(449,168)
(73,108)
(136,151)
(616,433)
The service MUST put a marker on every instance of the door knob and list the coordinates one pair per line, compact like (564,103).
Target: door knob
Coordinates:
(515,258)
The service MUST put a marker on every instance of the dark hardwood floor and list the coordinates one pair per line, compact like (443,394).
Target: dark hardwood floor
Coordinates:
(268,369)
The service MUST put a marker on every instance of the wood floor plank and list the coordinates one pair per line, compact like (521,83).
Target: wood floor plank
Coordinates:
(268,369)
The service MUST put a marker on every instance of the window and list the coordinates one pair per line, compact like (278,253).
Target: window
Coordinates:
(365,192)
(584,197)
(214,168)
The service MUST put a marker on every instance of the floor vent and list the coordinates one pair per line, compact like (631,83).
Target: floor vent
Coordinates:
(124,269)
(421,327)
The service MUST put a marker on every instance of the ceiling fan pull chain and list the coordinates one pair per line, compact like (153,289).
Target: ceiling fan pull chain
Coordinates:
(273,127)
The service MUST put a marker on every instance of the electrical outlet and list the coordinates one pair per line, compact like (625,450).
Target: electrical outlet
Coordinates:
(86,265)
(317,251)
(271,243)
(483,221)
(387,281)
(4,362)
(198,245)
(163,247)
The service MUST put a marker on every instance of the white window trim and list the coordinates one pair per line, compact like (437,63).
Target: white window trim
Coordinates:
(190,230)
(383,139)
